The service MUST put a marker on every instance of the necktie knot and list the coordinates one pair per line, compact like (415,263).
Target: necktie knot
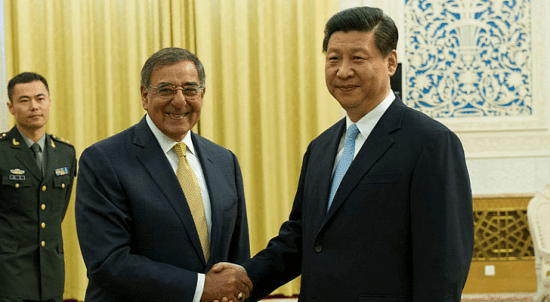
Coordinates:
(353,131)
(35,148)
(180,149)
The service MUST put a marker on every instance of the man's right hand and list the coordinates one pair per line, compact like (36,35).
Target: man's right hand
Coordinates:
(226,282)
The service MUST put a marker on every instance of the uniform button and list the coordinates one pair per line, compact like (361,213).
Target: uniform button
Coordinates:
(43,207)
(318,248)
(43,188)
(17,186)
(43,243)
(43,225)
(63,186)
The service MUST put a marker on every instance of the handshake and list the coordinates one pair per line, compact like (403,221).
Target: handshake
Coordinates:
(226,282)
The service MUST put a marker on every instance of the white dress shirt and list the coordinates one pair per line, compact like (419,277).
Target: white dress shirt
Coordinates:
(365,126)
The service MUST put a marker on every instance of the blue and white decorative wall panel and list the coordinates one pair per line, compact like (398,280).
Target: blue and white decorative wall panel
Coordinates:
(469,58)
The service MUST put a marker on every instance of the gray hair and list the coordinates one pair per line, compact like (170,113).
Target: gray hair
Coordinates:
(169,56)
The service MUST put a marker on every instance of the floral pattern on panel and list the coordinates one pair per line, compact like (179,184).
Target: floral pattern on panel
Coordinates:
(469,58)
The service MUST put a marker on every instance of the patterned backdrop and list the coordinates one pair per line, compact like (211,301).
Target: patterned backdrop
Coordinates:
(469,58)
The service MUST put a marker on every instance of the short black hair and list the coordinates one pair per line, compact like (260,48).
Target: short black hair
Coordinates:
(25,77)
(366,19)
(170,56)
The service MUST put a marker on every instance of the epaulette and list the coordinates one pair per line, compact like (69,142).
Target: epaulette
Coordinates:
(61,140)
(3,136)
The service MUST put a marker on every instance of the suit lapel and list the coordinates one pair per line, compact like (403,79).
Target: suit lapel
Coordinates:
(330,145)
(378,142)
(153,159)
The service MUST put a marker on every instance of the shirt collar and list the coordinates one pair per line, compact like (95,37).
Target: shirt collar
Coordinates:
(369,120)
(41,142)
(164,141)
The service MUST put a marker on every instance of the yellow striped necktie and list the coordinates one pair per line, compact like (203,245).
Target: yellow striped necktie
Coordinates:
(191,189)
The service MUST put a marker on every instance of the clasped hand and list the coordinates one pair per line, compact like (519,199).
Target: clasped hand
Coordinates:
(226,282)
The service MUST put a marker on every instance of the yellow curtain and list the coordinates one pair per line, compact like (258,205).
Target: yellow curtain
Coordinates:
(265,96)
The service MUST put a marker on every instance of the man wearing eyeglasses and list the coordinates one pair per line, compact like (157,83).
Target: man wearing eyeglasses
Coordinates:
(158,205)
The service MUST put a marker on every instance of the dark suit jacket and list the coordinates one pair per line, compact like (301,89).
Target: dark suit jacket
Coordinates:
(32,207)
(136,232)
(400,227)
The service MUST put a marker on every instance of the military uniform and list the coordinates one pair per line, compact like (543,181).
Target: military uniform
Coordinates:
(32,207)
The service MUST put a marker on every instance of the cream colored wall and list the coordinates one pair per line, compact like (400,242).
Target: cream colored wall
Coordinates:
(522,164)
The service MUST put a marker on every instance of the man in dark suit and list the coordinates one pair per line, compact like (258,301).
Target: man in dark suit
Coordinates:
(142,235)
(37,171)
(397,225)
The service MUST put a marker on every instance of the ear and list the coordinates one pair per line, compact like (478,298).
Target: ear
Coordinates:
(391,60)
(10,108)
(203,92)
(144,100)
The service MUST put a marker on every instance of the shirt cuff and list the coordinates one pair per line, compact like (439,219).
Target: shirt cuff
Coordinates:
(199,289)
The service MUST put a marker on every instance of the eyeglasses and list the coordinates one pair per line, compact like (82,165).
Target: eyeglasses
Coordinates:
(167,91)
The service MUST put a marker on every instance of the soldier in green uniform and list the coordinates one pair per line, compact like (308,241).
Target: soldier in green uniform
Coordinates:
(37,172)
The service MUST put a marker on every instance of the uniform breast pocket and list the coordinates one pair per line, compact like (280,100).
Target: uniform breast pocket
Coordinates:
(60,187)
(15,189)
(61,182)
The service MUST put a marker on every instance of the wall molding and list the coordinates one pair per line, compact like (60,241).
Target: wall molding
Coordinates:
(516,144)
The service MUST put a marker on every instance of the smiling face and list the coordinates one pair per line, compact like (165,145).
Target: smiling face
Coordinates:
(31,107)
(174,115)
(356,73)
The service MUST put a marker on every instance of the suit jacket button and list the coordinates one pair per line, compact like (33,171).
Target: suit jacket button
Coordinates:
(43,243)
(43,188)
(318,248)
